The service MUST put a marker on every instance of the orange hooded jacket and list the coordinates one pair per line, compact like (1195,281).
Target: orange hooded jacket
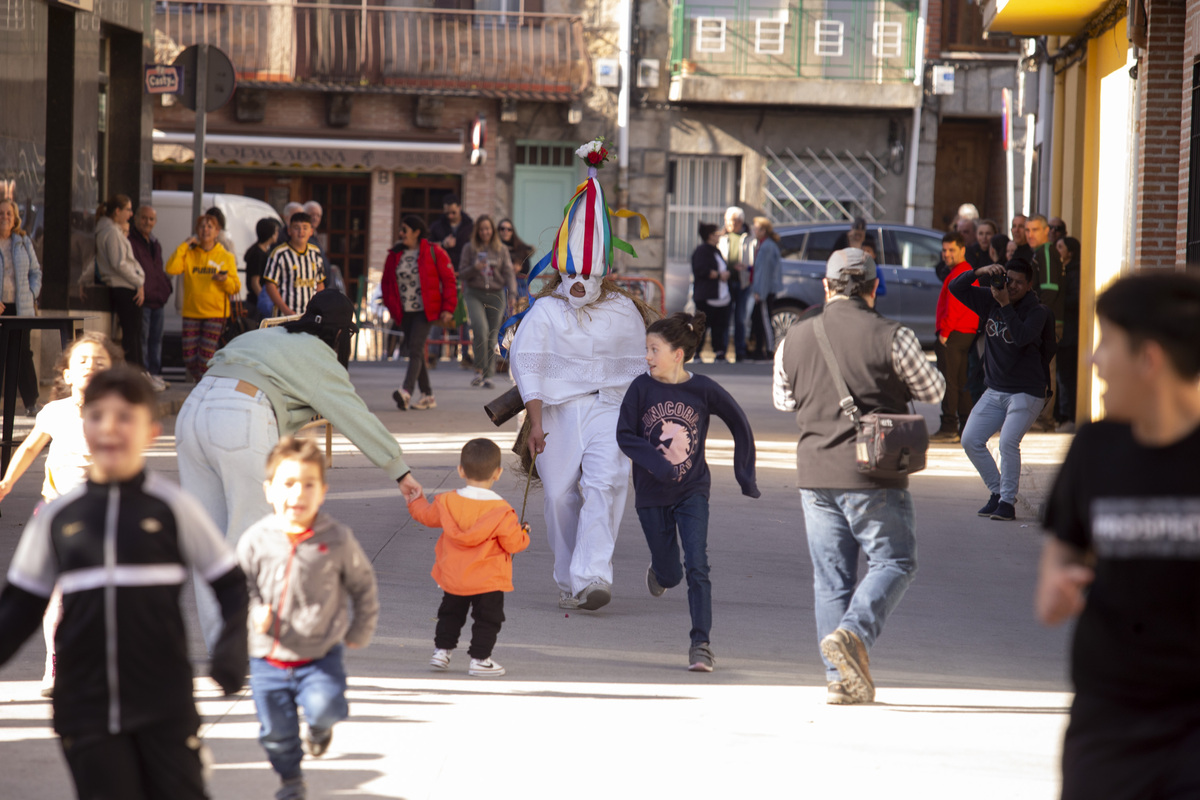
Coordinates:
(479,536)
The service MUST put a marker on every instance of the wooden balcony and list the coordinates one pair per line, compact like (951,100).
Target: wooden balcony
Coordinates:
(384,48)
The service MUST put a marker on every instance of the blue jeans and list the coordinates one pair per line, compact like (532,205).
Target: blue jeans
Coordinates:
(1011,414)
(840,523)
(152,333)
(743,302)
(319,688)
(690,517)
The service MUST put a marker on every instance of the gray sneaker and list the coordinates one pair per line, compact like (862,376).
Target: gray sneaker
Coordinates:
(846,651)
(656,589)
(568,601)
(596,595)
(316,743)
(292,789)
(700,658)
(838,696)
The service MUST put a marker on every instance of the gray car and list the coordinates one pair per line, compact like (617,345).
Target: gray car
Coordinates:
(907,258)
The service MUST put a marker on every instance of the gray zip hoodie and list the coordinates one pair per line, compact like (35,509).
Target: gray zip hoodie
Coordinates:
(298,592)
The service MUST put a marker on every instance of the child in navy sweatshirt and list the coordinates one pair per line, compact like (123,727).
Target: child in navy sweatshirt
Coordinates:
(662,428)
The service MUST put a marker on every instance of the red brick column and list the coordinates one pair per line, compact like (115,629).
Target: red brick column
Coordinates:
(1160,226)
(1191,52)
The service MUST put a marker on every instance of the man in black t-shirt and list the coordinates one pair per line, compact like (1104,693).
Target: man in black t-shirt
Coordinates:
(1124,552)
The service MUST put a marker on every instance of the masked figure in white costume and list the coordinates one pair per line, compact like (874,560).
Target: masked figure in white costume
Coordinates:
(575,352)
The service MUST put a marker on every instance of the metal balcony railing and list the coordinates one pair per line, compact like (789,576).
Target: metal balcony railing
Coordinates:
(385,48)
(857,40)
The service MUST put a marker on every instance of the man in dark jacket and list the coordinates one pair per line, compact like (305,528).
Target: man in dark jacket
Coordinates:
(452,230)
(1047,281)
(845,510)
(1014,373)
(148,252)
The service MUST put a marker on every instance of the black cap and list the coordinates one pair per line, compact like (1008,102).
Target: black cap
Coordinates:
(330,309)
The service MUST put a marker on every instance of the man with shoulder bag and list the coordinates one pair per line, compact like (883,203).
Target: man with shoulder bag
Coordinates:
(849,373)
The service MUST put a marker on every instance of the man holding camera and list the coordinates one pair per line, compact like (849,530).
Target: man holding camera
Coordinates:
(846,510)
(1018,343)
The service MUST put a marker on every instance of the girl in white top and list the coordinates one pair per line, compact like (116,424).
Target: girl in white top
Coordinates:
(60,424)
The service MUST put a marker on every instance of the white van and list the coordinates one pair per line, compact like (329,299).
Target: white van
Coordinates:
(176,224)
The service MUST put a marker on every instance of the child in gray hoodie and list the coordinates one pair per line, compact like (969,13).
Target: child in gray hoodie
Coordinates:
(301,566)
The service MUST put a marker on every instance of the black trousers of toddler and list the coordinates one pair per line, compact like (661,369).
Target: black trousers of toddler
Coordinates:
(487,610)
(158,762)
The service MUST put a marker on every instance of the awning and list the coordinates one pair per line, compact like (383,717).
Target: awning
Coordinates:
(1040,17)
(298,152)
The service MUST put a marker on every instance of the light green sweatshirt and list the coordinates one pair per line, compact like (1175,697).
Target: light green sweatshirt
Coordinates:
(301,376)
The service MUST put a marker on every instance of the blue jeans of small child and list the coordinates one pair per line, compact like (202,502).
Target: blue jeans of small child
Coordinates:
(318,687)
(840,523)
(1012,414)
(690,518)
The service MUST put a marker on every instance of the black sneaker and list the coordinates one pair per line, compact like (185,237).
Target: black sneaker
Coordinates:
(945,437)
(402,399)
(992,504)
(1004,512)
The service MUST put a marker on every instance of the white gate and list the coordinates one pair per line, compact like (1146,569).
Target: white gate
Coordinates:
(813,187)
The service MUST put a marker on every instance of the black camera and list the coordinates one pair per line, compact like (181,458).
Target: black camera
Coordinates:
(998,281)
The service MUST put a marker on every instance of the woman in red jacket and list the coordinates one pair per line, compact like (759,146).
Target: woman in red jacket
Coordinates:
(419,288)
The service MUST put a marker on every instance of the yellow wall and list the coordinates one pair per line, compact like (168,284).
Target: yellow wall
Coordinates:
(1104,126)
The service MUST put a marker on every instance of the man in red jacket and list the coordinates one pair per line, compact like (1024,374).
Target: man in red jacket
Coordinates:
(956,329)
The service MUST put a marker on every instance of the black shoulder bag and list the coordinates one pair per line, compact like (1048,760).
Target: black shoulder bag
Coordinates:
(886,445)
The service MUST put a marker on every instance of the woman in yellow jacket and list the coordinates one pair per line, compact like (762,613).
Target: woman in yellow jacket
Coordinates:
(209,279)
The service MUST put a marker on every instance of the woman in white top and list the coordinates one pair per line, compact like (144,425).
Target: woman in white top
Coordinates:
(60,424)
(22,283)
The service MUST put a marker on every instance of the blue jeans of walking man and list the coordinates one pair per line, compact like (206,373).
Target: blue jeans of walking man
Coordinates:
(690,517)
(1012,414)
(840,523)
(318,688)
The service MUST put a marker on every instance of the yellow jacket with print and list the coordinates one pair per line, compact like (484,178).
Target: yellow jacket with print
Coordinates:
(204,298)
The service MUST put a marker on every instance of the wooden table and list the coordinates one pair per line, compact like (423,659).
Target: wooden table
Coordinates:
(14,337)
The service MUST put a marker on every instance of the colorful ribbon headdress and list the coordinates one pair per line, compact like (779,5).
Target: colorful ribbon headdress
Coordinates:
(585,242)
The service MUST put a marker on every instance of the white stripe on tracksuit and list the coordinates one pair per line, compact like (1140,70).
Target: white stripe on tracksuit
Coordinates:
(81,580)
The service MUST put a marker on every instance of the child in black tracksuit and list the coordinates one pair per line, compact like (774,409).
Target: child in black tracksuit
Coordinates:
(662,427)
(120,547)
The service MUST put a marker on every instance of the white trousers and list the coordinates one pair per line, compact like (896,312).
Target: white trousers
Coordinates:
(586,479)
(223,438)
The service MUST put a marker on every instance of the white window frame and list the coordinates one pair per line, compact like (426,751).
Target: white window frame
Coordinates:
(775,34)
(710,35)
(887,40)
(830,38)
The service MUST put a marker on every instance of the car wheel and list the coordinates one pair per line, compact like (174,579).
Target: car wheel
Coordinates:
(783,318)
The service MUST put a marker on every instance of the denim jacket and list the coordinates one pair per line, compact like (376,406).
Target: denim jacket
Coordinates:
(26,271)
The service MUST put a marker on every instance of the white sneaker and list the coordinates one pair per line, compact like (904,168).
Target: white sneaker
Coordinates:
(426,402)
(485,669)
(440,660)
(158,383)
(567,600)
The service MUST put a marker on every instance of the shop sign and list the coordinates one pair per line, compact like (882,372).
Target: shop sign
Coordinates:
(163,79)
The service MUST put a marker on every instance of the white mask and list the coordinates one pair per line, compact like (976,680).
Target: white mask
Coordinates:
(591,290)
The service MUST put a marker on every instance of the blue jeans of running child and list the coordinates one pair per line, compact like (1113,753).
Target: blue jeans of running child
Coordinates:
(1012,414)
(319,688)
(686,524)
(841,523)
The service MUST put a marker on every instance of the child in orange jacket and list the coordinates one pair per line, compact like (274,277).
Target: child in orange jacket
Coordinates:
(480,534)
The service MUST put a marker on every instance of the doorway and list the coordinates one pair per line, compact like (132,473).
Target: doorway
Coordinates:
(970,169)
(347,206)
(544,179)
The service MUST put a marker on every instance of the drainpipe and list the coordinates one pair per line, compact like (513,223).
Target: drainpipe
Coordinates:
(914,141)
(626,19)
(1045,126)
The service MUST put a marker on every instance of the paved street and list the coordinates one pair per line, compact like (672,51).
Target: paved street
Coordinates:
(971,691)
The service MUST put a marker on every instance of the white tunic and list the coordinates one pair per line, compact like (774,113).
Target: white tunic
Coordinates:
(560,354)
